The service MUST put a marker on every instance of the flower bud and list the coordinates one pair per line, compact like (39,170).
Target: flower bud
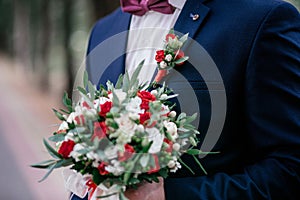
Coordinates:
(163,64)
(171,164)
(176,146)
(169,57)
(172,114)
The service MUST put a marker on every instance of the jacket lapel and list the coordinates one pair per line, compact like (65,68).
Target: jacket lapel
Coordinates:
(185,22)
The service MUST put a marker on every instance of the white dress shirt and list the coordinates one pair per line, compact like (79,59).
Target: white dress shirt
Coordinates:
(146,36)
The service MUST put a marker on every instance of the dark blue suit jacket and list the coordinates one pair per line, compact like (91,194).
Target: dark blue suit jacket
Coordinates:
(256,46)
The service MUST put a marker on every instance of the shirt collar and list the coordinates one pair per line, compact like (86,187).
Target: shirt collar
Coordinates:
(177,3)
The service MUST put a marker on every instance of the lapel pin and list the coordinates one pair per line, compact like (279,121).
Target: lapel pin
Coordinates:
(194,16)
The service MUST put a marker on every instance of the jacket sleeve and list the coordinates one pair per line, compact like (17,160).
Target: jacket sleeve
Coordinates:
(272,94)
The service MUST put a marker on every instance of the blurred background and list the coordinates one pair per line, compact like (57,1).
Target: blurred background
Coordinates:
(42,45)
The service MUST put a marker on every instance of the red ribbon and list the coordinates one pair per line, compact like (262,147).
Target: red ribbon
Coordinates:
(91,188)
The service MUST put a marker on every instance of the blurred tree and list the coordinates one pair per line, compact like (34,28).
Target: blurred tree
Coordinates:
(6,22)
(104,7)
(67,21)
(21,33)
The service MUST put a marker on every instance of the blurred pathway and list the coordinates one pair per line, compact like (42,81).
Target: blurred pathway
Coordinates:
(25,119)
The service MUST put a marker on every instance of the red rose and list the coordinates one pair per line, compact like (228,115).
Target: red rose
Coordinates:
(66,148)
(170,145)
(100,130)
(105,108)
(156,168)
(129,150)
(179,55)
(102,170)
(146,98)
(160,56)
(144,117)
(80,120)
(170,35)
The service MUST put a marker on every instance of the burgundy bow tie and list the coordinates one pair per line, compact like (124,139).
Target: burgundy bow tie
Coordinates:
(140,7)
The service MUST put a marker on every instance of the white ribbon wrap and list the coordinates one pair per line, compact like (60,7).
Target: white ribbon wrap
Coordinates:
(76,183)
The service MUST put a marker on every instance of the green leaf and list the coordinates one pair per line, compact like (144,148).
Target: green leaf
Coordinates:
(184,38)
(91,90)
(85,79)
(194,151)
(126,82)
(57,138)
(122,196)
(48,173)
(134,78)
(105,196)
(164,172)
(44,164)
(200,165)
(81,90)
(51,151)
(119,82)
(183,163)
(191,118)
(66,100)
(181,60)
(58,115)
(58,164)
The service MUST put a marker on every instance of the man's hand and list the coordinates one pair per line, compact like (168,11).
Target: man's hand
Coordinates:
(147,191)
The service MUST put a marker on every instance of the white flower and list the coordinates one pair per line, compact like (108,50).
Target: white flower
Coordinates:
(119,93)
(115,168)
(100,101)
(176,167)
(63,126)
(140,128)
(154,92)
(171,164)
(172,114)
(169,57)
(69,136)
(126,129)
(157,138)
(176,146)
(93,156)
(134,105)
(171,129)
(74,154)
(111,152)
(134,116)
(163,64)
(164,97)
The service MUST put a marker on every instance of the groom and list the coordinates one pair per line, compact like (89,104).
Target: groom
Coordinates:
(256,46)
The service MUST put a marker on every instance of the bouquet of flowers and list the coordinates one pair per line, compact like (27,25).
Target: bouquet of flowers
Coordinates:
(119,136)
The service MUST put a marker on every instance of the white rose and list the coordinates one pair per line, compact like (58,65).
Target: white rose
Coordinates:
(157,138)
(134,105)
(163,64)
(169,57)
(171,129)
(74,154)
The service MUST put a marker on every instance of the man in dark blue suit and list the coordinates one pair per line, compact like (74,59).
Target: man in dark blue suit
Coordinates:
(256,46)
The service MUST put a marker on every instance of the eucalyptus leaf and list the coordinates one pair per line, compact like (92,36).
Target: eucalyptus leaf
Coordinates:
(57,138)
(184,38)
(85,79)
(51,151)
(181,60)
(119,82)
(58,115)
(44,164)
